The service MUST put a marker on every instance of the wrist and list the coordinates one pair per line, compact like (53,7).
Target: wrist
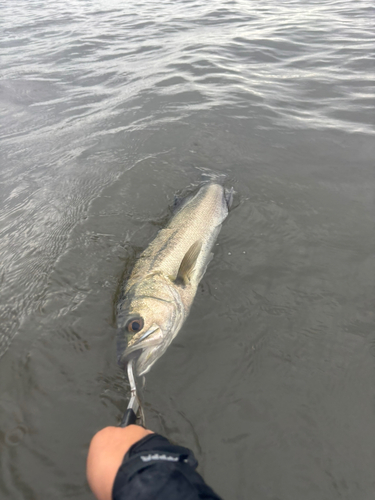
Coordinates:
(106,452)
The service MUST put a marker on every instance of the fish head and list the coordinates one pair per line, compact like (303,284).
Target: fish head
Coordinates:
(147,323)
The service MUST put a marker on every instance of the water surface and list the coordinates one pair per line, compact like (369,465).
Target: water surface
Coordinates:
(108,110)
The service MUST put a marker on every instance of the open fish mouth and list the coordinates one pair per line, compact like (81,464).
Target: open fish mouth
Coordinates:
(136,349)
(144,357)
(147,358)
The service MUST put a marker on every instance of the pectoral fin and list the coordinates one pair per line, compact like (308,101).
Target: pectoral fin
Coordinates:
(188,263)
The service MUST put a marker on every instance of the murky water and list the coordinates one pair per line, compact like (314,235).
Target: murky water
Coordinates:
(108,109)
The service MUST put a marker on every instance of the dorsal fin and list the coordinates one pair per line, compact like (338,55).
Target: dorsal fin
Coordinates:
(188,263)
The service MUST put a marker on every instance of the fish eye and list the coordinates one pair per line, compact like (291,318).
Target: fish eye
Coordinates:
(135,325)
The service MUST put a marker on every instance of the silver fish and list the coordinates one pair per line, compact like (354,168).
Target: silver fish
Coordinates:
(162,286)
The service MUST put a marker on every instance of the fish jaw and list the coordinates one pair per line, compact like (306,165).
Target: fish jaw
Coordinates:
(153,352)
(154,300)
(148,357)
(150,340)
(146,351)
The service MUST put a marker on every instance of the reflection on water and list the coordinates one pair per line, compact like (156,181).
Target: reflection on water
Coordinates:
(107,112)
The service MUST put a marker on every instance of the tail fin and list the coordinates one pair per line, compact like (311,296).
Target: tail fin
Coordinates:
(228,195)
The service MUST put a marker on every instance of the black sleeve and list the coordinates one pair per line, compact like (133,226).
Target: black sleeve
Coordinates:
(155,469)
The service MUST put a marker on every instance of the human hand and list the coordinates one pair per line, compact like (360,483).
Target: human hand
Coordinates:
(106,453)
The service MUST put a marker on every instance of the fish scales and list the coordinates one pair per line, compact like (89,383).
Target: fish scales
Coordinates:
(188,225)
(163,283)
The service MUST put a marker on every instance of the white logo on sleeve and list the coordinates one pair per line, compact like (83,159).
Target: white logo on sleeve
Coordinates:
(156,456)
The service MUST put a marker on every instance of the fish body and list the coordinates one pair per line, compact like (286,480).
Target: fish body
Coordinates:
(162,286)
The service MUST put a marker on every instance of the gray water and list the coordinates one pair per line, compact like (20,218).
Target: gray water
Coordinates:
(110,108)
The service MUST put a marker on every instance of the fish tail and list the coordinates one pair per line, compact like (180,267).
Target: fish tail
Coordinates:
(228,195)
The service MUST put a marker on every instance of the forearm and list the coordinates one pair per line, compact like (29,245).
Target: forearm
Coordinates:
(133,463)
(155,469)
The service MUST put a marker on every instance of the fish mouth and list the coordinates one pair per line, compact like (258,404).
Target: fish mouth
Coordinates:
(147,358)
(137,350)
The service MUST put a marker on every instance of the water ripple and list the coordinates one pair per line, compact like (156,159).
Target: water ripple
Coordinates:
(109,108)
